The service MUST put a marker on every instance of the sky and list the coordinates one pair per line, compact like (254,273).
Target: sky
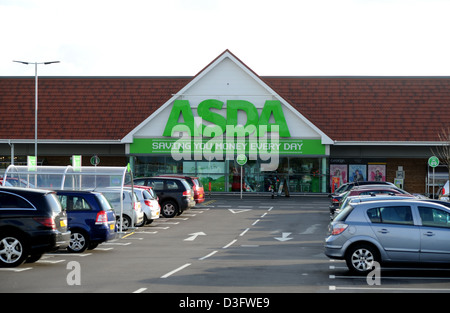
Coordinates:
(181,37)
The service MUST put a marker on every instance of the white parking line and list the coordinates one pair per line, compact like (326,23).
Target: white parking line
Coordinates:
(209,255)
(176,270)
(243,233)
(333,288)
(228,245)
(140,290)
(50,261)
(17,270)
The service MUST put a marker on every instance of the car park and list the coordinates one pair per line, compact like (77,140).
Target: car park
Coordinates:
(32,222)
(91,220)
(386,231)
(175,194)
(131,211)
(149,204)
(196,185)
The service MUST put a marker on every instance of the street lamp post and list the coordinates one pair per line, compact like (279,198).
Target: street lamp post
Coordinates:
(36,99)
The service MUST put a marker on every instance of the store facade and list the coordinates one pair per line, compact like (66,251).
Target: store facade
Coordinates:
(310,133)
(224,112)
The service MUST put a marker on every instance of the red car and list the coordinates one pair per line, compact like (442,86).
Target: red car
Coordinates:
(196,185)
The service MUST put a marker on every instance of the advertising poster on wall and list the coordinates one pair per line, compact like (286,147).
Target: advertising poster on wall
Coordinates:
(338,175)
(357,172)
(377,172)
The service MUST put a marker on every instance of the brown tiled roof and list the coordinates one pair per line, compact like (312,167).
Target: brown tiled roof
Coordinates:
(371,109)
(81,108)
(346,109)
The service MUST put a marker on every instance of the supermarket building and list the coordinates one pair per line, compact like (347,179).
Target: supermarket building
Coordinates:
(312,132)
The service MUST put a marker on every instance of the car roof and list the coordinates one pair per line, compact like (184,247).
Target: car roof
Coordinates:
(76,191)
(378,197)
(20,190)
(411,201)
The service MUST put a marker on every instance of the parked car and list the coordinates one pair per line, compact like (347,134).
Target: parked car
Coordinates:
(32,222)
(196,185)
(175,194)
(371,197)
(90,217)
(132,211)
(149,204)
(347,186)
(363,190)
(401,231)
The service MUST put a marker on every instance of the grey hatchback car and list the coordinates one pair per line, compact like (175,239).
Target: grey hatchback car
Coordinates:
(403,231)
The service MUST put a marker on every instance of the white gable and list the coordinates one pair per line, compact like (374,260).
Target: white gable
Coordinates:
(227,79)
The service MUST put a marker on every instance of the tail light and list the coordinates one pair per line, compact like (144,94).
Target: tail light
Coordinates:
(339,228)
(187,193)
(46,221)
(148,203)
(102,218)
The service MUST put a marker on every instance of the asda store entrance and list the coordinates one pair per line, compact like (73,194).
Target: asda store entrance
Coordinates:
(302,174)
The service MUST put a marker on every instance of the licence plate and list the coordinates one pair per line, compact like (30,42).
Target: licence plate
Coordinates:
(112,226)
(62,223)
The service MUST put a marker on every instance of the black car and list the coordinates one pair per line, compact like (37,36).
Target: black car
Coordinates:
(32,222)
(175,194)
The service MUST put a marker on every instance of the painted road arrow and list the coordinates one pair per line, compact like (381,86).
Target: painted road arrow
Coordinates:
(284,237)
(194,235)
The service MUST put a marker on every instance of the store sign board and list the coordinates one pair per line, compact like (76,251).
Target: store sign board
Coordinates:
(199,146)
(207,111)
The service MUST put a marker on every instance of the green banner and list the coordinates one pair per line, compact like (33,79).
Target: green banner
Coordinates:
(180,145)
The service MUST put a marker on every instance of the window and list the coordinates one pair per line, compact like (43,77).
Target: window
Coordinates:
(157,185)
(139,182)
(172,185)
(10,201)
(434,217)
(73,203)
(391,215)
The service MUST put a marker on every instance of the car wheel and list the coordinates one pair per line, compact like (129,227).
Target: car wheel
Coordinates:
(169,209)
(79,241)
(126,222)
(360,258)
(13,250)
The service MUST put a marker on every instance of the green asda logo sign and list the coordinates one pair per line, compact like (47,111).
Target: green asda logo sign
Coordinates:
(256,125)
(211,135)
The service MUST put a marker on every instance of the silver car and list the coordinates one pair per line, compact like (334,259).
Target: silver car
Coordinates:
(390,231)
(132,211)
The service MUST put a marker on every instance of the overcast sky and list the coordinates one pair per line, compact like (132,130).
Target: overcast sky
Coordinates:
(180,37)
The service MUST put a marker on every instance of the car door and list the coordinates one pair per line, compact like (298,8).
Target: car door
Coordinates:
(394,228)
(435,234)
